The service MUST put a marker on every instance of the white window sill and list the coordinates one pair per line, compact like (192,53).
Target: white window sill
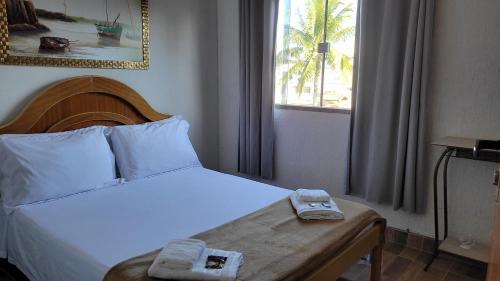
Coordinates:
(313,108)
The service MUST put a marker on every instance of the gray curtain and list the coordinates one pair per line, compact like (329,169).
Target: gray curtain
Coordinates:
(258,20)
(393,45)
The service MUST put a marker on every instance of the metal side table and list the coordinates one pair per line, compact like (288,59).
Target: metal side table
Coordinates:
(459,148)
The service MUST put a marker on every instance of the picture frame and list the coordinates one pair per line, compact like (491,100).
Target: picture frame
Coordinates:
(54,37)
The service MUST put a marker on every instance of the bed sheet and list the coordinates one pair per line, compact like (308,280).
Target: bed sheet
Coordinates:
(81,237)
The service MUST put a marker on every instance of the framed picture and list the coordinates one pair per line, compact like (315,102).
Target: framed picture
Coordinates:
(75,33)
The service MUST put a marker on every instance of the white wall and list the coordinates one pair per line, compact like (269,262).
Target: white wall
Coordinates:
(182,78)
(311,147)
(228,36)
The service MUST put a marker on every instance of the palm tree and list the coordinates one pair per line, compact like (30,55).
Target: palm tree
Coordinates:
(301,45)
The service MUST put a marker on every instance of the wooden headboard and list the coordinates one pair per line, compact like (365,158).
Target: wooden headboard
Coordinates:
(82,102)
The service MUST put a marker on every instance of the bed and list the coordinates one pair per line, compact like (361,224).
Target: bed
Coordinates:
(64,239)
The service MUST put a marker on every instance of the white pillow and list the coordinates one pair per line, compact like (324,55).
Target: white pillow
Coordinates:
(40,167)
(48,136)
(153,148)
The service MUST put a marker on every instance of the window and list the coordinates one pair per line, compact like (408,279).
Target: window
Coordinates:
(314,53)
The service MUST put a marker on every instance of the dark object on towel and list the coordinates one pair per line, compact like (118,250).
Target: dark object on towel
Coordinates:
(215,262)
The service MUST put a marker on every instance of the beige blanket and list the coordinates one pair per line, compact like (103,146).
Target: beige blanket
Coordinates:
(276,245)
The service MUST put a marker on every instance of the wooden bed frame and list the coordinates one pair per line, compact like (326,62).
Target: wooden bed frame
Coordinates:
(87,101)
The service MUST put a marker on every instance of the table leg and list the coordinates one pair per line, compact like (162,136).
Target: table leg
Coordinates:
(376,263)
(445,190)
(436,209)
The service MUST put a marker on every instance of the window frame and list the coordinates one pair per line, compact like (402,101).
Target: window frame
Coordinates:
(321,107)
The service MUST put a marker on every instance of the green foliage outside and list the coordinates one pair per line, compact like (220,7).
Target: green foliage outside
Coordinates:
(305,64)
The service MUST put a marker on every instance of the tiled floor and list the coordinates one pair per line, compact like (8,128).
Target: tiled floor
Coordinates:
(406,264)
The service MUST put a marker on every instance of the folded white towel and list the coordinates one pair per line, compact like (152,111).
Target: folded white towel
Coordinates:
(316,211)
(182,254)
(228,273)
(313,195)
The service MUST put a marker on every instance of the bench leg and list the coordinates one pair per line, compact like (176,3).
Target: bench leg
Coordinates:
(376,263)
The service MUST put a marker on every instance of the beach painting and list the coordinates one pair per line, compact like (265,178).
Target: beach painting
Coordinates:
(76,33)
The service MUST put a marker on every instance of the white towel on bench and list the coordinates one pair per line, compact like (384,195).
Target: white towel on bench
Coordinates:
(198,272)
(316,210)
(313,195)
(181,254)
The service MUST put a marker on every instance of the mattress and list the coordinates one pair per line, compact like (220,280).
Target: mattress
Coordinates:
(81,237)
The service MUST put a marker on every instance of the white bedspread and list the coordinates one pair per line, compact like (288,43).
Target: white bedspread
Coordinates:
(83,236)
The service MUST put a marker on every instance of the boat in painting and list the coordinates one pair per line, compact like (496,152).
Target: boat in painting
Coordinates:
(112,31)
(109,30)
(54,44)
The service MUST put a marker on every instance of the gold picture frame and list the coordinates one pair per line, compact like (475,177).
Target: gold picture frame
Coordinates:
(7,59)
